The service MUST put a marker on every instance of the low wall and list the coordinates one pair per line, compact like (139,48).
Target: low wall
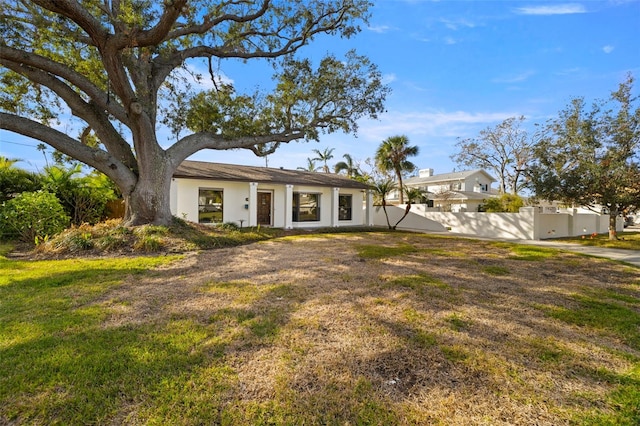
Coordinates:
(528,224)
(413,220)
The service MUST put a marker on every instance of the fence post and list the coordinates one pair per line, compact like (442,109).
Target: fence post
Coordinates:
(531,217)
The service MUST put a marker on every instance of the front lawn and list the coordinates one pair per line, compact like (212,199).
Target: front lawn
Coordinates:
(361,328)
(626,240)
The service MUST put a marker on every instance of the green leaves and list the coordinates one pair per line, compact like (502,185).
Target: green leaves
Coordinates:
(305,101)
(589,156)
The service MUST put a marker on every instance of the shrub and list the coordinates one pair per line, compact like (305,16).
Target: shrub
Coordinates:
(32,217)
(14,181)
(84,197)
(229,226)
(509,203)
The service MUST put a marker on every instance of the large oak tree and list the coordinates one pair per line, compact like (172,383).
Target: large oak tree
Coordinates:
(589,155)
(122,69)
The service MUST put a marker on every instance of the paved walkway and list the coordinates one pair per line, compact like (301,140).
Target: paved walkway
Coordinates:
(629,256)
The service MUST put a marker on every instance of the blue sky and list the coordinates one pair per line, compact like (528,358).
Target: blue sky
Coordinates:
(455,68)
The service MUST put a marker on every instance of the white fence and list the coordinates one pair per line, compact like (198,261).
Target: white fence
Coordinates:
(529,224)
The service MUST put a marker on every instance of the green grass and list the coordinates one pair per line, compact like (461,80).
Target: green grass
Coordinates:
(616,314)
(526,252)
(340,351)
(57,358)
(609,313)
(496,270)
(625,241)
(378,251)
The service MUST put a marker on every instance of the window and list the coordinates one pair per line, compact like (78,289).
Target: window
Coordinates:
(344,207)
(210,206)
(306,207)
(484,187)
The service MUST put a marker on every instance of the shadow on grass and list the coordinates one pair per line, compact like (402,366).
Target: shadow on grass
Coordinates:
(174,346)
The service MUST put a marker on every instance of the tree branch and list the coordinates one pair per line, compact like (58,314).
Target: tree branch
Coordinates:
(11,57)
(203,140)
(94,157)
(89,112)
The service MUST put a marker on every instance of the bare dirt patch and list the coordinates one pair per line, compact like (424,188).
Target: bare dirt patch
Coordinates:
(453,332)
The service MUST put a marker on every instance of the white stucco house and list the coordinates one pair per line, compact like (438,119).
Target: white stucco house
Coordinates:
(456,191)
(249,196)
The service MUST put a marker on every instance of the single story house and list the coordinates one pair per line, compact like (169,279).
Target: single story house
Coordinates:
(250,196)
(456,191)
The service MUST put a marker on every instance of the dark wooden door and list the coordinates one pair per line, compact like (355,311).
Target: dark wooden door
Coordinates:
(264,208)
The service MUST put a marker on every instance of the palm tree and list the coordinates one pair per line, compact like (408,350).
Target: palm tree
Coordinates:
(324,156)
(311,166)
(413,195)
(348,166)
(382,188)
(7,163)
(393,154)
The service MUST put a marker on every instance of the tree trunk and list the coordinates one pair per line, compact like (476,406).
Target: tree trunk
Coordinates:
(407,209)
(149,202)
(384,209)
(613,217)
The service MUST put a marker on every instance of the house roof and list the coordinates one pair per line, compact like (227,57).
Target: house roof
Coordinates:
(461,195)
(233,172)
(445,177)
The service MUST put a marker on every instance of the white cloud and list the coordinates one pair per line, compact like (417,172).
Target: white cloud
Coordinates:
(515,78)
(201,79)
(608,48)
(431,124)
(552,9)
(570,71)
(389,78)
(458,23)
(380,29)
(450,40)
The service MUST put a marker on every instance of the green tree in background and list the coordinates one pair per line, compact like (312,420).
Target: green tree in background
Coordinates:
(504,150)
(324,156)
(505,203)
(348,166)
(589,156)
(14,181)
(311,166)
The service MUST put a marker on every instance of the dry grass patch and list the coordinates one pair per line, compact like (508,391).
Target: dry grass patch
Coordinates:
(372,328)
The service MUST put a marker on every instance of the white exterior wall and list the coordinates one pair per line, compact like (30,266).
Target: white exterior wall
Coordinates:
(528,224)
(238,204)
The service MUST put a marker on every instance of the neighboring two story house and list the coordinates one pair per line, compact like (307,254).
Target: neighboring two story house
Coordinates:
(456,191)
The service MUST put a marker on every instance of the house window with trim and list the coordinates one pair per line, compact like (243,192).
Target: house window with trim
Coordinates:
(210,205)
(306,207)
(483,187)
(344,207)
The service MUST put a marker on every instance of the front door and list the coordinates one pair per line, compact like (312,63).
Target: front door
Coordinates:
(264,208)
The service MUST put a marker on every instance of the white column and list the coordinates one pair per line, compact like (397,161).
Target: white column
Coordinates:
(253,203)
(288,206)
(335,206)
(369,207)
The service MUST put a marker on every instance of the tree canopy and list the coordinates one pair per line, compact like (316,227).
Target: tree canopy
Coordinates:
(504,149)
(589,156)
(124,70)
